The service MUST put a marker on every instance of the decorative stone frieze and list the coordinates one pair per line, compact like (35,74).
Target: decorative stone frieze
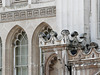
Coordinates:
(28,14)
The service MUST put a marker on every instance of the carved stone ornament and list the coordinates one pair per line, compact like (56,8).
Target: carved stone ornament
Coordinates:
(28,14)
(73,41)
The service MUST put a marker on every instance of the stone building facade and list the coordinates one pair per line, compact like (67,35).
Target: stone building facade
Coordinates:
(49,37)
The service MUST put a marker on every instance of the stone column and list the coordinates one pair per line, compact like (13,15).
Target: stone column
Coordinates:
(3,56)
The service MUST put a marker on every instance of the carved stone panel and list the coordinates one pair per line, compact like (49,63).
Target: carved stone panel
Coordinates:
(28,14)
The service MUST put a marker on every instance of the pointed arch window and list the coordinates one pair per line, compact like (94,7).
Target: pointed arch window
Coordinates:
(21,54)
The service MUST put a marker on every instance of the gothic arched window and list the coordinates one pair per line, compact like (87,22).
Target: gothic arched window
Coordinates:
(21,54)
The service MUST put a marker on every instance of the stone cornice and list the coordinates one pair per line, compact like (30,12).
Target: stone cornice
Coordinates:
(28,14)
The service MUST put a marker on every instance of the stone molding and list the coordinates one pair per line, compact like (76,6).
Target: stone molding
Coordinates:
(28,14)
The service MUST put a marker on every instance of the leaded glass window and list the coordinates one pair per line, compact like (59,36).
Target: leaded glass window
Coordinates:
(21,54)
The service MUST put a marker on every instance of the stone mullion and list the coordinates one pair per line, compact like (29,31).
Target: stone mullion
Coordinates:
(3,58)
(35,60)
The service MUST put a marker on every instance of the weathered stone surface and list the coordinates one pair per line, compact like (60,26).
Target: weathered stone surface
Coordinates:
(28,14)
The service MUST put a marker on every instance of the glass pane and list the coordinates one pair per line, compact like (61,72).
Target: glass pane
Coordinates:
(0,62)
(18,60)
(17,50)
(0,52)
(20,37)
(0,58)
(99,14)
(21,55)
(23,60)
(25,36)
(23,41)
(0,40)
(24,71)
(24,50)
(0,72)
(23,33)
(17,42)
(18,71)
